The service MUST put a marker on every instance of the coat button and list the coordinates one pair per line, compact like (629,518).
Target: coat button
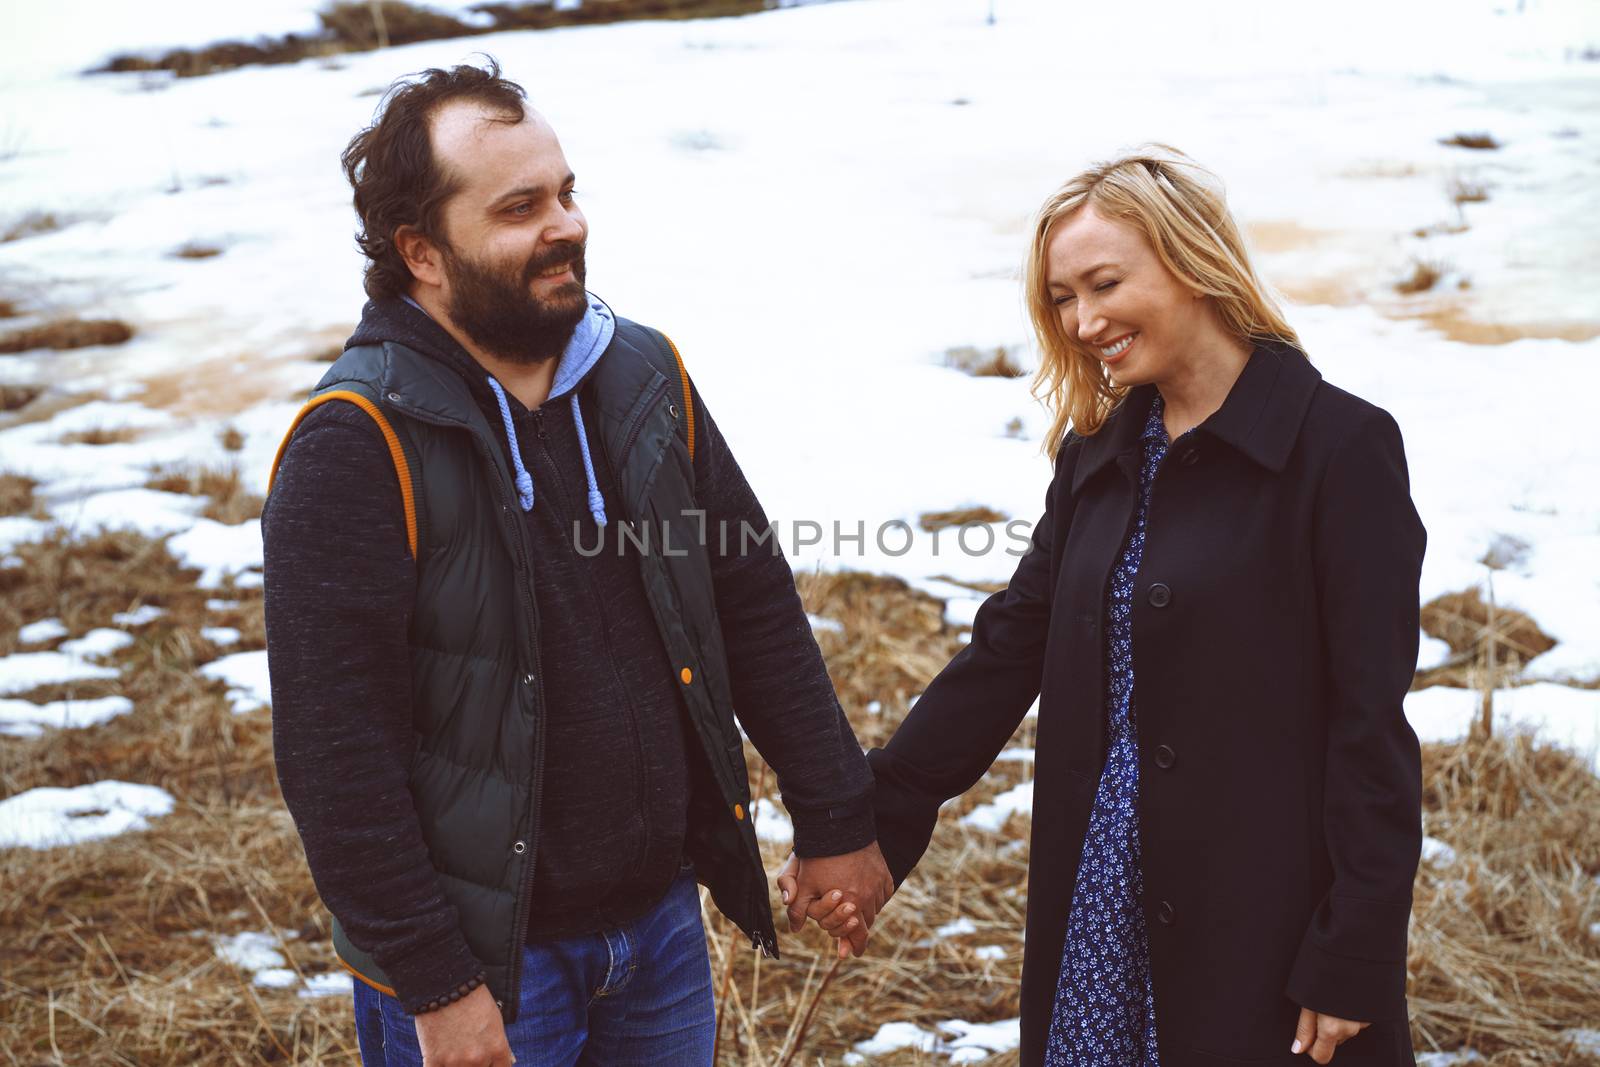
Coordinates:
(1165,757)
(1160,595)
(1190,457)
(1166,914)
(519,848)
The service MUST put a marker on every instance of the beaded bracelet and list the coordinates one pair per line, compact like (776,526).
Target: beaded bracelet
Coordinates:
(446,999)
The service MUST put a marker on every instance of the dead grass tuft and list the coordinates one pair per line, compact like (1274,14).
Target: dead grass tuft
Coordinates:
(196,250)
(1464,622)
(101,435)
(16,494)
(16,397)
(931,521)
(1424,276)
(994,362)
(65,334)
(229,501)
(8,310)
(1463,191)
(32,224)
(1479,140)
(230,439)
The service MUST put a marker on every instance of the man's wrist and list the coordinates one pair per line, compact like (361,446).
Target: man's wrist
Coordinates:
(446,999)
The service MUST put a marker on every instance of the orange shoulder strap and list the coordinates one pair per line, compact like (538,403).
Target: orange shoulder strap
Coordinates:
(402,469)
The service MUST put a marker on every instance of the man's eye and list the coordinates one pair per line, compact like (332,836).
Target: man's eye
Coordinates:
(522,209)
(568,196)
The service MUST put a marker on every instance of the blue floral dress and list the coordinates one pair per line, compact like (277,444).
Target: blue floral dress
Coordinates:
(1105,1008)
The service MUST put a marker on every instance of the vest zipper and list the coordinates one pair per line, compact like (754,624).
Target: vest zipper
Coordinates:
(521,915)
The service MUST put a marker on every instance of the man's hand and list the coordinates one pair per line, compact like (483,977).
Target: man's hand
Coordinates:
(844,893)
(1318,1034)
(468,1033)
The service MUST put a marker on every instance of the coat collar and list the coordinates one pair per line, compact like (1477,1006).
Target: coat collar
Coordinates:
(1260,418)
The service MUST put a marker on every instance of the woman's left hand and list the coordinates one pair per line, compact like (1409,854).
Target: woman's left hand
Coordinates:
(1318,1034)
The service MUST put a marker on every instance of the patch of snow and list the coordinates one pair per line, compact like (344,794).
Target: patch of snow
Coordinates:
(218,551)
(249,686)
(97,644)
(1015,755)
(250,951)
(772,823)
(1584,1040)
(823,625)
(1448,1059)
(957,928)
(151,512)
(961,611)
(993,815)
(220,635)
(874,707)
(21,530)
(215,604)
(892,1037)
(1432,652)
(990,952)
(20,718)
(48,817)
(1437,852)
(330,984)
(276,978)
(986,1039)
(1556,714)
(142,615)
(37,633)
(22,671)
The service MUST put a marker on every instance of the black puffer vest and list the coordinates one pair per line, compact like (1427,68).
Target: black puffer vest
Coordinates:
(477,764)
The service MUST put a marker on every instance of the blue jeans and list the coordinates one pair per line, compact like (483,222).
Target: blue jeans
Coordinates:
(636,995)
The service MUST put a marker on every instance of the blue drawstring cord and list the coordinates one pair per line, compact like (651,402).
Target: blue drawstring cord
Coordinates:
(597,503)
(524,479)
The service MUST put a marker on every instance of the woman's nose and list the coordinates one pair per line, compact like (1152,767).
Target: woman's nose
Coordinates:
(1090,321)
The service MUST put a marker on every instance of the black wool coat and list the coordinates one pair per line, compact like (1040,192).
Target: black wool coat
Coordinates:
(1274,638)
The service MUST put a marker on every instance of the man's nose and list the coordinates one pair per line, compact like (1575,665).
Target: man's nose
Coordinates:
(568,227)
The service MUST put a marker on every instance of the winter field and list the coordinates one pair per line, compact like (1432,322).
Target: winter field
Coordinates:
(826,207)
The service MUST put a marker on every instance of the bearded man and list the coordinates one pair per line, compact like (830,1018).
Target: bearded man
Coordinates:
(504,724)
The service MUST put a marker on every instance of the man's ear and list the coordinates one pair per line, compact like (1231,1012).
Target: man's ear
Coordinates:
(421,255)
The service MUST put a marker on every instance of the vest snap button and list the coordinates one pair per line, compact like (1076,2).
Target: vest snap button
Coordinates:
(687,675)
(528,679)
(673,409)
(519,848)
(393,398)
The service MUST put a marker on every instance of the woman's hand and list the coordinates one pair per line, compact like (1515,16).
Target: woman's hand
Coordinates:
(1319,1034)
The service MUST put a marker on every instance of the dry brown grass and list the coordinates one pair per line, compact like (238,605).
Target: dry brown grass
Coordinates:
(1464,622)
(931,521)
(1424,276)
(1480,140)
(98,962)
(66,334)
(13,397)
(196,250)
(994,362)
(230,439)
(32,224)
(16,494)
(229,501)
(101,435)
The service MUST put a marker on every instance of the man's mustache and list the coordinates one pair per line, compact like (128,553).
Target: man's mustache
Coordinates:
(571,253)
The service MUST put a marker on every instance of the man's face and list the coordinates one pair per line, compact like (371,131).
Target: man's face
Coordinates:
(513,236)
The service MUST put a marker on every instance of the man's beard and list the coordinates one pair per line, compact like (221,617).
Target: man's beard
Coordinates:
(496,309)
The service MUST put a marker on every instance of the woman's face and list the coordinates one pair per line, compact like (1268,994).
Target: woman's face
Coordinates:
(1116,298)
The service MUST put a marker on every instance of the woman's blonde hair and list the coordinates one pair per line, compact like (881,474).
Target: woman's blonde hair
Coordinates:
(1180,208)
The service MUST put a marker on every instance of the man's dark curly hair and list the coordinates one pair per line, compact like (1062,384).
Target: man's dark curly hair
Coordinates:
(391,166)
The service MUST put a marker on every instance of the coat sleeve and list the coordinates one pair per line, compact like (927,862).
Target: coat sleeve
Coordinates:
(952,734)
(1368,545)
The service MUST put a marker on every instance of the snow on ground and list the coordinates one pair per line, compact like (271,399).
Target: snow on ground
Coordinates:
(220,635)
(961,1041)
(142,615)
(97,644)
(246,675)
(258,953)
(993,815)
(22,671)
(37,633)
(1555,713)
(21,718)
(772,823)
(48,817)
(833,237)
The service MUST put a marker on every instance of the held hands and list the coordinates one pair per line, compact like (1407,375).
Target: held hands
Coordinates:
(1318,1034)
(843,893)
(468,1033)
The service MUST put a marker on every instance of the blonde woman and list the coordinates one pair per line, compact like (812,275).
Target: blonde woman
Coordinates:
(1219,618)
